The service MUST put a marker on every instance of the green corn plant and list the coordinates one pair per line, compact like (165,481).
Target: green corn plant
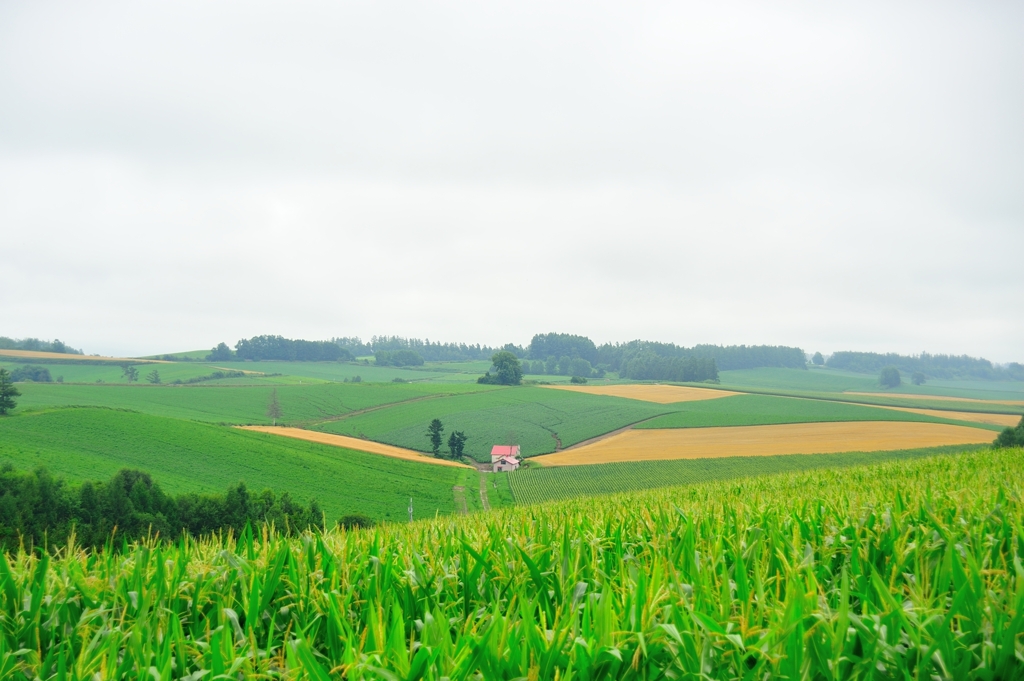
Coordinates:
(909,570)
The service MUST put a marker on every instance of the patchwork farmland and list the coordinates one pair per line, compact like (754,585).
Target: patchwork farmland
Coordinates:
(686,459)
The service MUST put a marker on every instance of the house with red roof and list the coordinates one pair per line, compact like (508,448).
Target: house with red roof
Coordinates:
(505,458)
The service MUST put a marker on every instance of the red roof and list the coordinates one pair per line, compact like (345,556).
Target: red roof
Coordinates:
(498,451)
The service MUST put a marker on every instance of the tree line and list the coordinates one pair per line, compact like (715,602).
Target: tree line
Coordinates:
(572,355)
(38,508)
(932,366)
(281,348)
(36,345)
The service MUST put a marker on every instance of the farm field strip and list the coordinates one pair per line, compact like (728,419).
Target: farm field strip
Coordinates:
(353,443)
(540,484)
(108,373)
(60,356)
(976,417)
(658,393)
(234,404)
(733,441)
(938,398)
(754,410)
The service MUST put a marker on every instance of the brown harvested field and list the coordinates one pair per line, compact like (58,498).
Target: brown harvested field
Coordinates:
(353,443)
(32,354)
(939,398)
(662,394)
(990,419)
(795,438)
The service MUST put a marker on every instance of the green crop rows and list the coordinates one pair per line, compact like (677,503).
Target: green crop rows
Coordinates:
(536,485)
(752,410)
(908,570)
(93,444)
(234,404)
(532,417)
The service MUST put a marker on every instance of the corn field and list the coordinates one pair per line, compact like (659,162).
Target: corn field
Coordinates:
(908,570)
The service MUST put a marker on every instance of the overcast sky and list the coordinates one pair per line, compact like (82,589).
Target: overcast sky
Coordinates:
(828,175)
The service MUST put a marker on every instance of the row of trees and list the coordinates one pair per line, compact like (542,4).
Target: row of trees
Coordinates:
(563,366)
(935,366)
(397,358)
(37,507)
(429,351)
(31,372)
(648,366)
(281,348)
(614,357)
(36,345)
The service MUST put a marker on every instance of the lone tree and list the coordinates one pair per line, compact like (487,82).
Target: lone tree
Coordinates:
(273,407)
(817,360)
(153,377)
(507,370)
(221,353)
(129,372)
(7,392)
(1011,437)
(434,431)
(890,377)
(918,378)
(456,444)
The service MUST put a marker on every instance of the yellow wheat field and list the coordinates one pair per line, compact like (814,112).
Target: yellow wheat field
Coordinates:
(940,398)
(795,438)
(33,354)
(353,443)
(662,394)
(990,419)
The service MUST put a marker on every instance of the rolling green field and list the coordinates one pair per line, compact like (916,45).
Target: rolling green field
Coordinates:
(536,484)
(243,405)
(907,570)
(185,456)
(435,372)
(822,381)
(532,417)
(755,410)
(108,372)
(816,380)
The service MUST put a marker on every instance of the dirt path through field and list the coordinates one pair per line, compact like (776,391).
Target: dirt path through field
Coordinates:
(645,392)
(353,443)
(796,438)
(460,499)
(484,501)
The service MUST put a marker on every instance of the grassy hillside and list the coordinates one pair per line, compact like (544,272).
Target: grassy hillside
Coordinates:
(754,410)
(818,380)
(824,380)
(235,404)
(537,484)
(90,444)
(530,416)
(447,372)
(908,570)
(108,372)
